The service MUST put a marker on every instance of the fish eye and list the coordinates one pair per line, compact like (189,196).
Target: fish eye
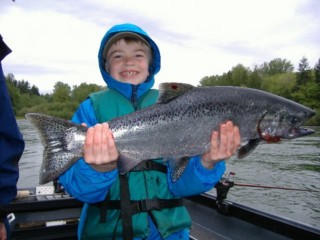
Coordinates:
(294,119)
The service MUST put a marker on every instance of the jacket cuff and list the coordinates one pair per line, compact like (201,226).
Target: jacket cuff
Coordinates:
(209,175)
(3,215)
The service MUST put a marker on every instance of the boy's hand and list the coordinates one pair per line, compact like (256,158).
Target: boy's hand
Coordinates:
(99,148)
(223,146)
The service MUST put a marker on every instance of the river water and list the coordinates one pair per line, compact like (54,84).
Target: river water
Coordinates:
(289,164)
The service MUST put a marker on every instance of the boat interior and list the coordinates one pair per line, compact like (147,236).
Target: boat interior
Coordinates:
(48,213)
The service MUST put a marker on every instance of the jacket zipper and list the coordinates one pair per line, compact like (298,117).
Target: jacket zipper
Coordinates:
(134,97)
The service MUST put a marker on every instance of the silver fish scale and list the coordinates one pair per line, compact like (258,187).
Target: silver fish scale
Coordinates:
(180,128)
(183,126)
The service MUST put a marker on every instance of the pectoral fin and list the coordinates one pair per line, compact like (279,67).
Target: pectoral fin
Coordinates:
(248,148)
(177,167)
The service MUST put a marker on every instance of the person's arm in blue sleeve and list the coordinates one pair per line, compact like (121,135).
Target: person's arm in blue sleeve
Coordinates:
(81,180)
(196,178)
(11,147)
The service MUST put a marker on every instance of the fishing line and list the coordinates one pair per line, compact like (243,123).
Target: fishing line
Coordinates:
(230,174)
(274,187)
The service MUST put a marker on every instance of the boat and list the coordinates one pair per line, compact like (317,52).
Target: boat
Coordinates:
(47,212)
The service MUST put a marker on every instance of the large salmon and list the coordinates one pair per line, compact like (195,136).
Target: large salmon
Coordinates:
(179,125)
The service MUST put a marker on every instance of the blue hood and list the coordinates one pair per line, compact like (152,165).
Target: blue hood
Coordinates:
(125,88)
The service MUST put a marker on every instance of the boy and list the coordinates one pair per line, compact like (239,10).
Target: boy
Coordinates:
(145,203)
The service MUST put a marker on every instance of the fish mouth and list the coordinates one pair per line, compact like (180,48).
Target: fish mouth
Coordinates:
(300,132)
(311,114)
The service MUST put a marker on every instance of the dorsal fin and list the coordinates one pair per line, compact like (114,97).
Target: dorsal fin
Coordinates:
(172,90)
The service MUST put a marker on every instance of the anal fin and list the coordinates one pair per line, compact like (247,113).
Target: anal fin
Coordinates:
(125,164)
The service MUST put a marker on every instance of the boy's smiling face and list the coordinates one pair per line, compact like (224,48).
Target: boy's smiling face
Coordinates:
(128,61)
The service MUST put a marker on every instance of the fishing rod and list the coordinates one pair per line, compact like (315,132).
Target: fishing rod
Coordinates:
(226,179)
(274,187)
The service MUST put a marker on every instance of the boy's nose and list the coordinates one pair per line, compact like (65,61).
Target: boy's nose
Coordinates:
(129,61)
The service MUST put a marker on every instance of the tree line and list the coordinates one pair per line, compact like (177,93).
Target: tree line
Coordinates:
(62,102)
(277,76)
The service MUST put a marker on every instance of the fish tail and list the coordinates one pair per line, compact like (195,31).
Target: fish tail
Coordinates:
(61,150)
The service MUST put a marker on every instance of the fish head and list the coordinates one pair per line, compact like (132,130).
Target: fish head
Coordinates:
(285,123)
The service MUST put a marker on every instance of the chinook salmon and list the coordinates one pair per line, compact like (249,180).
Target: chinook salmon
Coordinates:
(178,126)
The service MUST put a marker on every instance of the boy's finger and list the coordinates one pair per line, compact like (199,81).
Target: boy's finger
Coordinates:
(89,137)
(87,147)
(237,137)
(96,147)
(214,141)
(104,138)
(230,139)
(223,139)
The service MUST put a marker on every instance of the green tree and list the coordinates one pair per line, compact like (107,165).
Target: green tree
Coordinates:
(205,81)
(276,66)
(81,92)
(307,95)
(23,86)
(225,79)
(214,80)
(61,92)
(240,75)
(34,90)
(11,79)
(317,79)
(304,73)
(48,97)
(317,72)
(14,93)
(255,79)
(281,84)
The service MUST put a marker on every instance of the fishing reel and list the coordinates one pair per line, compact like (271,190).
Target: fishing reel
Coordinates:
(58,188)
(223,187)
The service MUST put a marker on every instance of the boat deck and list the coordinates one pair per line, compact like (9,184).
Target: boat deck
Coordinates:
(211,225)
(56,217)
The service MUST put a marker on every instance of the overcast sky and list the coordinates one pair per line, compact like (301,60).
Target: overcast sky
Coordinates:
(59,40)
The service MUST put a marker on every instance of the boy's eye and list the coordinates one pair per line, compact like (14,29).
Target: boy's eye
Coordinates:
(139,55)
(117,56)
